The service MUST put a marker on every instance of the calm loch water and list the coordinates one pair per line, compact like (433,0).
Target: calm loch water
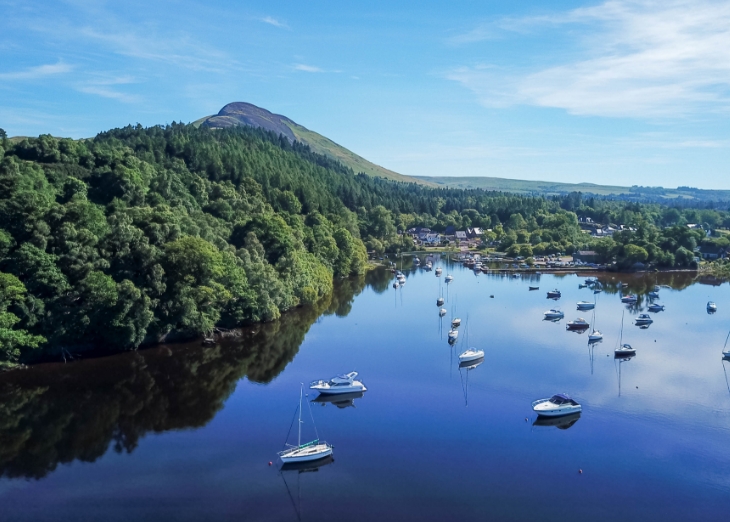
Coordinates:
(186,433)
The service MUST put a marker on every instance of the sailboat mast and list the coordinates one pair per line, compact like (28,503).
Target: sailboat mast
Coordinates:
(299,438)
(621,336)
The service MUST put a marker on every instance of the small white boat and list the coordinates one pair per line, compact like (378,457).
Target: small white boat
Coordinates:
(345,383)
(428,265)
(448,278)
(711,307)
(471,354)
(631,298)
(440,301)
(656,307)
(442,312)
(643,319)
(438,271)
(595,336)
(578,324)
(477,266)
(654,295)
(585,305)
(310,451)
(553,314)
(624,350)
(395,284)
(556,406)
(453,334)
(456,322)
(554,294)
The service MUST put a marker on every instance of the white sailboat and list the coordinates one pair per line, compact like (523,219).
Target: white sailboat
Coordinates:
(471,354)
(725,349)
(623,350)
(309,451)
(595,335)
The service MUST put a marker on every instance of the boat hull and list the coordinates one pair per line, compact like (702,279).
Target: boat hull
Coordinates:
(306,453)
(471,356)
(356,387)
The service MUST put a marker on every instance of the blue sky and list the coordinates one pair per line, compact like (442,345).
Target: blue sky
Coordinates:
(619,92)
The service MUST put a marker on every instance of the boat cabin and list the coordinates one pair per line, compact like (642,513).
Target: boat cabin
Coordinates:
(561,398)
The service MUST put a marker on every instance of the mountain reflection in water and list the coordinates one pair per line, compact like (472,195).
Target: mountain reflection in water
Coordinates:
(56,413)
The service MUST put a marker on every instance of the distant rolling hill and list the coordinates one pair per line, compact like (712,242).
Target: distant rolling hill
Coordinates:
(548,188)
(241,113)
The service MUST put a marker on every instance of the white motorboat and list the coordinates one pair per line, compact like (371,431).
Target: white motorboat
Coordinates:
(623,350)
(553,314)
(438,271)
(309,451)
(442,312)
(585,305)
(631,298)
(345,383)
(448,278)
(554,294)
(440,301)
(477,266)
(578,324)
(654,295)
(556,406)
(456,322)
(428,265)
(643,319)
(395,284)
(453,334)
(711,307)
(656,307)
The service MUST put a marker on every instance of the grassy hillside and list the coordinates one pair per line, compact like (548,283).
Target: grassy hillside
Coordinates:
(550,188)
(329,148)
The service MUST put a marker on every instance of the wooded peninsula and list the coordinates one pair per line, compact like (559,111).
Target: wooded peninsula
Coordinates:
(147,234)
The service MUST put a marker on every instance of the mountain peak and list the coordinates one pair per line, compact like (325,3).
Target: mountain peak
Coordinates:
(242,113)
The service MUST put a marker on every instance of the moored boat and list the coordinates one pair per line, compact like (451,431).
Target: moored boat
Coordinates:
(643,319)
(556,406)
(585,305)
(578,324)
(554,294)
(307,452)
(553,314)
(345,383)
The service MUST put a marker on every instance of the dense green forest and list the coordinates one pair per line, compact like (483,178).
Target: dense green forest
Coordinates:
(145,234)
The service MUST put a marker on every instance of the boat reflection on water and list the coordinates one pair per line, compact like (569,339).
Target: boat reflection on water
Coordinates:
(342,400)
(562,423)
(621,358)
(300,468)
(307,467)
(467,366)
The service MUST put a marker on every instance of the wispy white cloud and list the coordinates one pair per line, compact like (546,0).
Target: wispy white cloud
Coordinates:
(104,85)
(40,71)
(273,21)
(640,59)
(307,68)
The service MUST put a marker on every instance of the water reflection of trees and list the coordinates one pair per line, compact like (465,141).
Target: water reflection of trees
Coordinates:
(54,413)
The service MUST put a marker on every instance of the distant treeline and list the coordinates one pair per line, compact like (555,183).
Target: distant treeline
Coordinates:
(141,234)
